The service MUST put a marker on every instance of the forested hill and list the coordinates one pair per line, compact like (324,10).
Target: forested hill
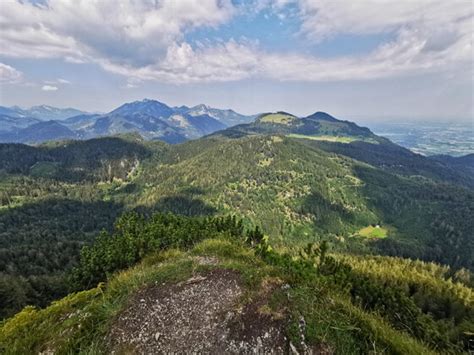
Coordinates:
(319,125)
(325,132)
(360,193)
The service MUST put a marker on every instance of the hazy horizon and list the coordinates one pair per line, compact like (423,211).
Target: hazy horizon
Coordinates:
(358,119)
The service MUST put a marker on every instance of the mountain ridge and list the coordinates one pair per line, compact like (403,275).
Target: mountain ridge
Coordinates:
(319,126)
(42,112)
(151,118)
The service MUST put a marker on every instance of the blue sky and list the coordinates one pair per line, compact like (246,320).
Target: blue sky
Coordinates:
(364,60)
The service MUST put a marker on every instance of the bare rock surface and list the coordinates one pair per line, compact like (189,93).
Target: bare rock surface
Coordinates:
(199,315)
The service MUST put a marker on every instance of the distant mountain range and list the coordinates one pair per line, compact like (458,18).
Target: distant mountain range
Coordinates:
(154,120)
(150,118)
(42,112)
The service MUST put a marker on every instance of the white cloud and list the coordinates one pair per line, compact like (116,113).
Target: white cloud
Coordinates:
(145,40)
(326,18)
(58,81)
(9,75)
(233,60)
(49,88)
(127,32)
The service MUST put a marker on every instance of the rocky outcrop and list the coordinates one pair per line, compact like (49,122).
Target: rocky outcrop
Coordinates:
(204,314)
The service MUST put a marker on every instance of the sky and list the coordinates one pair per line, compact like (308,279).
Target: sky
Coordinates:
(370,60)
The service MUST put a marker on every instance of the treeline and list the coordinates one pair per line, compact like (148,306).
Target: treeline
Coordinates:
(135,236)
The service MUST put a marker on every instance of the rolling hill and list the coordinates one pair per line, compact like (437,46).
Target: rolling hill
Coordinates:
(319,125)
(44,130)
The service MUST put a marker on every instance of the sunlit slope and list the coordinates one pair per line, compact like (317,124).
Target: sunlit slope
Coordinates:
(289,188)
(319,124)
(298,192)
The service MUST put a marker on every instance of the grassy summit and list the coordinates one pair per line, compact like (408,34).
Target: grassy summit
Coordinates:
(279,117)
(307,299)
(317,124)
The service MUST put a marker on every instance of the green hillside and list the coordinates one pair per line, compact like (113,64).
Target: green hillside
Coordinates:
(319,124)
(323,195)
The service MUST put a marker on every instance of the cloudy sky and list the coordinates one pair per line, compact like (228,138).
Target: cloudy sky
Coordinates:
(365,59)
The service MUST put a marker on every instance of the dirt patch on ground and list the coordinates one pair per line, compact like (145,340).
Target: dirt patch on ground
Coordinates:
(200,315)
(258,329)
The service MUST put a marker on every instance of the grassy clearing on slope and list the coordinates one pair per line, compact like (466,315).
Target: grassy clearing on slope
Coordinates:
(277,118)
(373,232)
(337,139)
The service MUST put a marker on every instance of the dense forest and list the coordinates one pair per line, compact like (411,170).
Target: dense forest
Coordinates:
(57,197)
